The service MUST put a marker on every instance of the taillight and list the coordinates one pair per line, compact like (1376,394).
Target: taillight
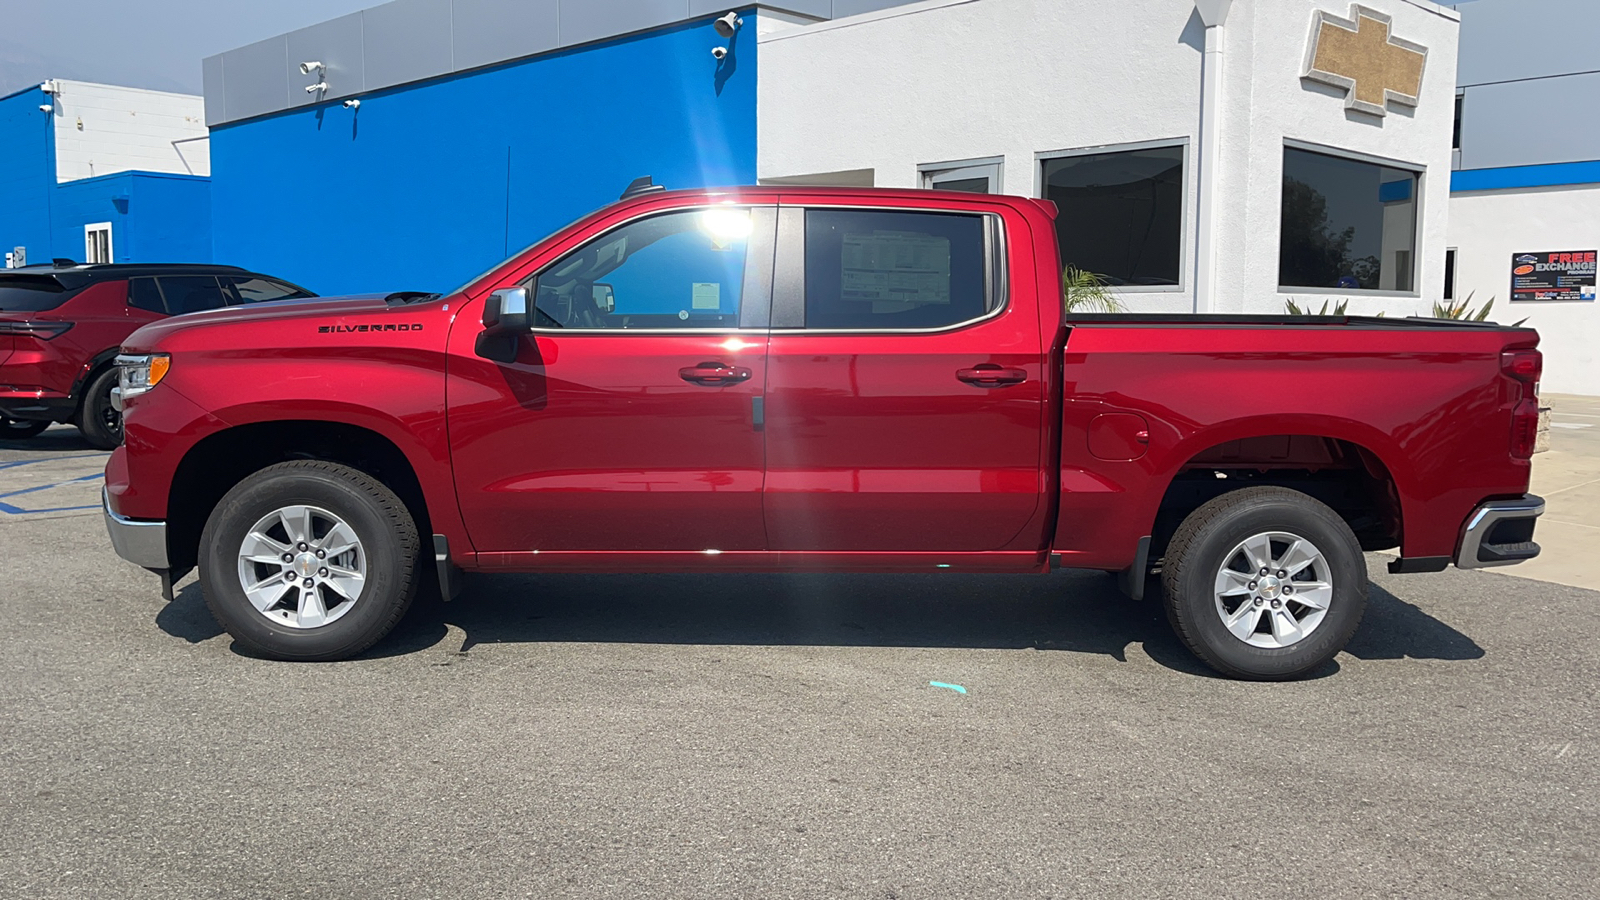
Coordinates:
(1524,429)
(1523,365)
(42,330)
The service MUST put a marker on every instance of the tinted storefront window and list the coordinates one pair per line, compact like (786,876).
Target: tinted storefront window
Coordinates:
(1347,224)
(1121,213)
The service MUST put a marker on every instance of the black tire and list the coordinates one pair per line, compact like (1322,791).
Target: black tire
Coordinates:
(99,421)
(1199,550)
(20,429)
(381,522)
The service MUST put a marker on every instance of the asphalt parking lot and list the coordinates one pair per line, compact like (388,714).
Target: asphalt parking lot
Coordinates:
(755,736)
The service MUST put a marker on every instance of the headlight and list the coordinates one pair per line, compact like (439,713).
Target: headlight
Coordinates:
(141,373)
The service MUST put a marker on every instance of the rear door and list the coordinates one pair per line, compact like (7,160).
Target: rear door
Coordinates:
(904,393)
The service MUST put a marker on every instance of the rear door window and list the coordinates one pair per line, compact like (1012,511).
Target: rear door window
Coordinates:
(255,289)
(891,269)
(192,293)
(144,294)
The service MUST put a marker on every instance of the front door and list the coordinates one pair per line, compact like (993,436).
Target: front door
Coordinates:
(629,421)
(905,397)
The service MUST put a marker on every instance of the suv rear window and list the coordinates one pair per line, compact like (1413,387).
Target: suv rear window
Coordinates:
(31,293)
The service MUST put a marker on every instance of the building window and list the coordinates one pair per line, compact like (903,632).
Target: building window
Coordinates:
(1347,224)
(1455,138)
(980,176)
(1450,274)
(895,269)
(1121,213)
(97,243)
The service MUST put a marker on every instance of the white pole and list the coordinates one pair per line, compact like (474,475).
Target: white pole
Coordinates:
(1213,14)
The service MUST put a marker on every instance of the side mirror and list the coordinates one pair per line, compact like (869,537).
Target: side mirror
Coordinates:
(605,299)
(506,317)
(507,310)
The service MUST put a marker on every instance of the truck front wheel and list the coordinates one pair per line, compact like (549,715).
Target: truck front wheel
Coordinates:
(309,560)
(1264,583)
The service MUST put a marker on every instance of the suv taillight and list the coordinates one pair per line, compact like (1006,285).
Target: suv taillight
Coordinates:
(1524,367)
(42,330)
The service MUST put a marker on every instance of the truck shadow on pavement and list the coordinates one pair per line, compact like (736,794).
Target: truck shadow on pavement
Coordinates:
(1080,612)
(55,440)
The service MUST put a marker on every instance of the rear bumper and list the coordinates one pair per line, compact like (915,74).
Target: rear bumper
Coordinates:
(36,407)
(141,543)
(1499,533)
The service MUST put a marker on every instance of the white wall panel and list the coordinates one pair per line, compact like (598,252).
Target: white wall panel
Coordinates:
(1488,227)
(103,129)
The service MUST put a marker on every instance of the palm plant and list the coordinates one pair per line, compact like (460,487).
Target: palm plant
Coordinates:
(1084,292)
(1296,309)
(1447,309)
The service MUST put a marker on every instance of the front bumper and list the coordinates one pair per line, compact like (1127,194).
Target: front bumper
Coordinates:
(1499,533)
(141,543)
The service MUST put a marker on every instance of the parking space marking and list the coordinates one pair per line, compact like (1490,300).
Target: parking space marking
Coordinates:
(12,509)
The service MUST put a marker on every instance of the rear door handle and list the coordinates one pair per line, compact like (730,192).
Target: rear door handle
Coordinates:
(989,375)
(714,374)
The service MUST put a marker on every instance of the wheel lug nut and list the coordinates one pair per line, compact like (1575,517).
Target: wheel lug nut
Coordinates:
(288,557)
(1258,601)
(1276,604)
(1252,585)
(322,554)
(309,583)
(323,572)
(303,545)
(1288,589)
(1282,574)
(288,576)
(1264,571)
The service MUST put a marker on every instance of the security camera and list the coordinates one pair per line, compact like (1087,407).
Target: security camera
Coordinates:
(728,24)
(315,88)
(49,87)
(719,52)
(46,108)
(306,68)
(352,104)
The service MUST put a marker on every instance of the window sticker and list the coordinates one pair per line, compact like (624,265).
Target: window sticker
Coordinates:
(706,296)
(896,270)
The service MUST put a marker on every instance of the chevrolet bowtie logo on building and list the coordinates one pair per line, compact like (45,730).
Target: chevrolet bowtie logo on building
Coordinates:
(1362,57)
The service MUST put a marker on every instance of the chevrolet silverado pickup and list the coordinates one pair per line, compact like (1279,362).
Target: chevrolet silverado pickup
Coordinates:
(814,379)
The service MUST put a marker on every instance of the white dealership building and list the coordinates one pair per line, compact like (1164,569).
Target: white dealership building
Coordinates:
(1206,156)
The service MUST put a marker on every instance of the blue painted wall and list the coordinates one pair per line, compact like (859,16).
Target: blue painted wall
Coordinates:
(426,185)
(154,217)
(27,173)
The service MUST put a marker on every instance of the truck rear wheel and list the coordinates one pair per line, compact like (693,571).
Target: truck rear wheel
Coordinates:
(1264,583)
(309,560)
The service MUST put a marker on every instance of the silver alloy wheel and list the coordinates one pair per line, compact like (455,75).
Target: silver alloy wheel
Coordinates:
(302,566)
(1273,589)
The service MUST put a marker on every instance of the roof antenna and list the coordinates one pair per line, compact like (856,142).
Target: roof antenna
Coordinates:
(642,185)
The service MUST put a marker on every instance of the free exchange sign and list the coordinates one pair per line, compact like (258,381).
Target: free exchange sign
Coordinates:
(1553,276)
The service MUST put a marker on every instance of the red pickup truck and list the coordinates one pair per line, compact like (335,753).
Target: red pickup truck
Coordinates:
(809,379)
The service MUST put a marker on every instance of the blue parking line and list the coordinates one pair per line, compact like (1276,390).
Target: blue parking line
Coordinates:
(12,464)
(12,510)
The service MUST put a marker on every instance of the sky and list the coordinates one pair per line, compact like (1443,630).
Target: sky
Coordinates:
(154,44)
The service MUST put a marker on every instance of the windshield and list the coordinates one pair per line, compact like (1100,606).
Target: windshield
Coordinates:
(31,293)
(485,273)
